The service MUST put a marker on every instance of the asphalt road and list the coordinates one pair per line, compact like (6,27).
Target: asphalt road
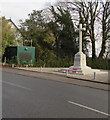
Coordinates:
(30,97)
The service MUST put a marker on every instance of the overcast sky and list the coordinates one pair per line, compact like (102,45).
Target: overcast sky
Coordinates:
(19,9)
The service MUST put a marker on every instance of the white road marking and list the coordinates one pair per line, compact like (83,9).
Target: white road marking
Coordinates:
(89,108)
(12,84)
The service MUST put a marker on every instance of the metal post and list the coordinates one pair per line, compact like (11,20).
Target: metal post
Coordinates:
(67,73)
(31,42)
(13,65)
(94,75)
(4,61)
(26,66)
(41,69)
(31,61)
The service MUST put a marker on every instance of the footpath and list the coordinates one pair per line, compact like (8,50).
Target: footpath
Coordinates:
(99,76)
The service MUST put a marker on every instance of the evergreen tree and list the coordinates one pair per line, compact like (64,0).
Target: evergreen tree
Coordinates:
(64,31)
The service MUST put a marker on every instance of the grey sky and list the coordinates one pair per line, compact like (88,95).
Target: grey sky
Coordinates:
(19,9)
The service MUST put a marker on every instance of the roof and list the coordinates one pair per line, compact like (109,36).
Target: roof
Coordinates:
(17,28)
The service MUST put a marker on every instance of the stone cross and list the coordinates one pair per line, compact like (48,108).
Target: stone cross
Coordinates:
(80,37)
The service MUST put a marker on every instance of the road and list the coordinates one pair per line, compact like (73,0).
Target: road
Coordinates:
(32,97)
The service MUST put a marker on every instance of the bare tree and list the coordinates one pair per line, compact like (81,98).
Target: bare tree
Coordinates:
(88,12)
(105,27)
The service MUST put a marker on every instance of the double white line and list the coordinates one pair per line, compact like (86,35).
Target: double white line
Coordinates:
(89,108)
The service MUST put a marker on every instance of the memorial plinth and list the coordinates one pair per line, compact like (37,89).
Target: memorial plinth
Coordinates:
(80,66)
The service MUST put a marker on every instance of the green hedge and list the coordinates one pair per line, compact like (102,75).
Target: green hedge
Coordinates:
(99,63)
(66,62)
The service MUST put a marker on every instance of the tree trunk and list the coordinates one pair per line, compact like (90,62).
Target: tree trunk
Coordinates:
(105,31)
(57,47)
(92,37)
(103,46)
(93,50)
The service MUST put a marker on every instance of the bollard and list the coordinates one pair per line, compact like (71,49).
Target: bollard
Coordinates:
(41,69)
(4,60)
(94,75)
(13,65)
(26,66)
(44,65)
(67,73)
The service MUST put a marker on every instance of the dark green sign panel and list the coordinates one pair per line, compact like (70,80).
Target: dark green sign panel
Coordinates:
(22,54)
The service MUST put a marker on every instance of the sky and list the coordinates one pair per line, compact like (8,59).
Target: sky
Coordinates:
(19,9)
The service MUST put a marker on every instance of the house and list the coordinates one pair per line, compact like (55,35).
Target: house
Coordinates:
(18,34)
(20,37)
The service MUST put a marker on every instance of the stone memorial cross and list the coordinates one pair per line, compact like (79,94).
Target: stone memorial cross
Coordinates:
(80,37)
(80,66)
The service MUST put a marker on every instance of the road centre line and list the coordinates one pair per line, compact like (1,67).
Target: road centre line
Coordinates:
(89,108)
(12,84)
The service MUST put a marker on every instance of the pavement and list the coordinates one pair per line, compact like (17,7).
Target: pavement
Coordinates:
(101,76)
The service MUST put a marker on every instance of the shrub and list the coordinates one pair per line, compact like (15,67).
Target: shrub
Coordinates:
(99,63)
(64,62)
